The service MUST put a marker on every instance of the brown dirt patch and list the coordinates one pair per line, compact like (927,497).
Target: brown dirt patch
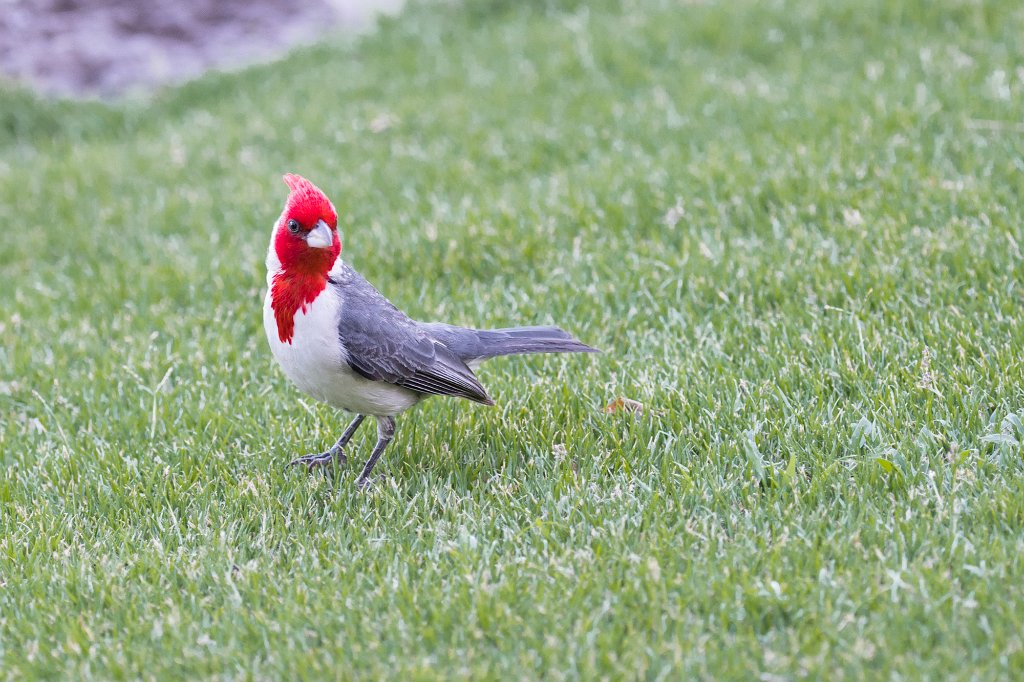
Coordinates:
(106,48)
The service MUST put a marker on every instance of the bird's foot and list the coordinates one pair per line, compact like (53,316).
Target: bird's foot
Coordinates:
(365,483)
(319,460)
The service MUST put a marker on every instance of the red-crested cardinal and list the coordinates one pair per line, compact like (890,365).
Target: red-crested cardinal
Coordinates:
(341,342)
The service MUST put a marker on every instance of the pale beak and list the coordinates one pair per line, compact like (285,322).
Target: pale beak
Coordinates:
(320,237)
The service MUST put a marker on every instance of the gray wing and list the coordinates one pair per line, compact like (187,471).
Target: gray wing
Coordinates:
(383,344)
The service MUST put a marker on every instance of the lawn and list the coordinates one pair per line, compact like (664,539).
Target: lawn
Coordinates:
(795,228)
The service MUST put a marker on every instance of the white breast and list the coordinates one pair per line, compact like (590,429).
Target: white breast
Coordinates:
(315,361)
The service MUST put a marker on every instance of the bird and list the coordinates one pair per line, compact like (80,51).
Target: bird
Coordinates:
(341,342)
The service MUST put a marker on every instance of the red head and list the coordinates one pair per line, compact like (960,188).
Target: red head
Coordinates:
(306,235)
(306,245)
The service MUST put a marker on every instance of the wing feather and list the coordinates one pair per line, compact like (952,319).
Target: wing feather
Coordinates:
(383,344)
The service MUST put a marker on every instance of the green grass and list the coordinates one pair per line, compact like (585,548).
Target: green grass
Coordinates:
(828,479)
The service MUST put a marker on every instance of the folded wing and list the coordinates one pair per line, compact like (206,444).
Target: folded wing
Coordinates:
(383,344)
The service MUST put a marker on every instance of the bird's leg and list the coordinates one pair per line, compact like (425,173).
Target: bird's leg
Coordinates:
(318,459)
(385,431)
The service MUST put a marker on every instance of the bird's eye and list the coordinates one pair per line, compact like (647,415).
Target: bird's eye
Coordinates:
(293,226)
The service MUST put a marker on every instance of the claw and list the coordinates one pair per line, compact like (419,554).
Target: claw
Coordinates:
(319,459)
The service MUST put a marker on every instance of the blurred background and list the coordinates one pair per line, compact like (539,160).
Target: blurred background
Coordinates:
(107,48)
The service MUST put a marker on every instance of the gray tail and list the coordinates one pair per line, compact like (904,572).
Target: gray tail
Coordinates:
(518,340)
(472,344)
